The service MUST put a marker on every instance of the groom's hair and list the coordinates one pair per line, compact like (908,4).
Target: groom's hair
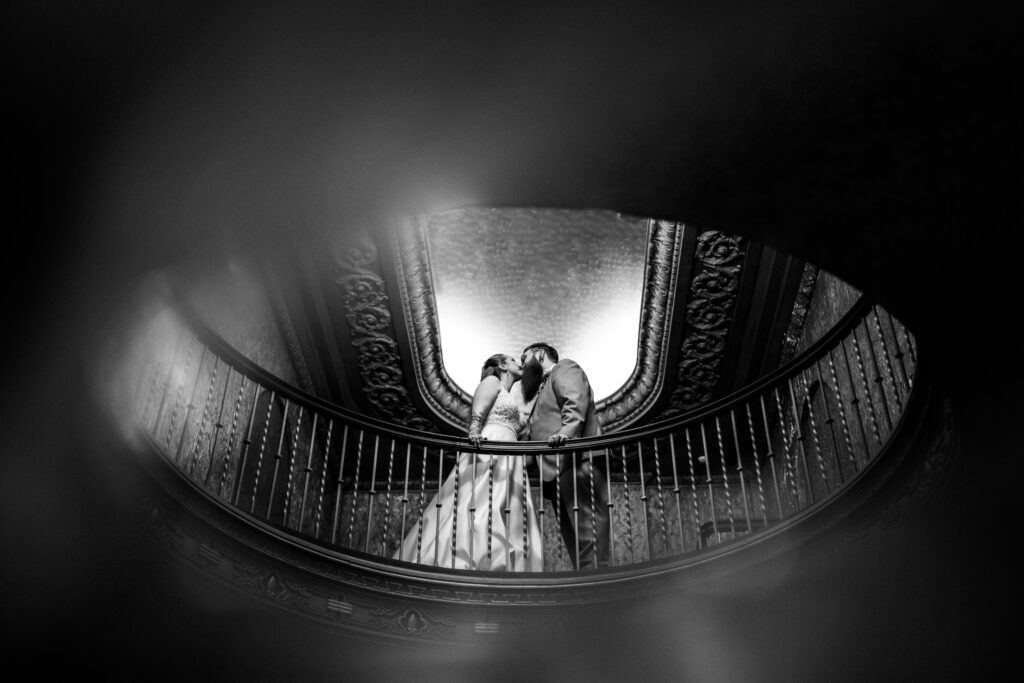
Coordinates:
(549,350)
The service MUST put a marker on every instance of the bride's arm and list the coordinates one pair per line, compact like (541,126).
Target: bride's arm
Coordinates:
(483,399)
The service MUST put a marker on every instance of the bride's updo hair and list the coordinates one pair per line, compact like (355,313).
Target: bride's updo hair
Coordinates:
(491,366)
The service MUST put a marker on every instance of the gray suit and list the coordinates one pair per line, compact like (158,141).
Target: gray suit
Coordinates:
(565,405)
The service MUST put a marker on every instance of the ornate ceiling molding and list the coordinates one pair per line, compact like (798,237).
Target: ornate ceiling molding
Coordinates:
(444,397)
(709,313)
(452,404)
(643,387)
(368,314)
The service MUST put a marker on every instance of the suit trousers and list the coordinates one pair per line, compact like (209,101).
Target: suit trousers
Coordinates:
(581,498)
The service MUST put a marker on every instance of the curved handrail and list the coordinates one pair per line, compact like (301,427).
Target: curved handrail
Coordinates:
(241,363)
(741,464)
(819,348)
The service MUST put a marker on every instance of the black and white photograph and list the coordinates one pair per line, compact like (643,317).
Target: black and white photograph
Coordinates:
(552,341)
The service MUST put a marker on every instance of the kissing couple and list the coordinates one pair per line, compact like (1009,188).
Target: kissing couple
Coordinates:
(483,516)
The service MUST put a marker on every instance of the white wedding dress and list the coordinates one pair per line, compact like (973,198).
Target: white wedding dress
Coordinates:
(484,496)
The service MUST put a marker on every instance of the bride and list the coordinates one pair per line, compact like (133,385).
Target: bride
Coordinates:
(484,495)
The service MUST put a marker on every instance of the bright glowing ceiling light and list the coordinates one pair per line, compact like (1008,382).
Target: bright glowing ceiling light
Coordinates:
(505,278)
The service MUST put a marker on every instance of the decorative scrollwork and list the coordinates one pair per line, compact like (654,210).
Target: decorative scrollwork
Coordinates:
(411,621)
(368,314)
(701,348)
(708,316)
(719,251)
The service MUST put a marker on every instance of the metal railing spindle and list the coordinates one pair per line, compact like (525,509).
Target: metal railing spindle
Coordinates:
(815,441)
(405,491)
(263,448)
(878,380)
(711,490)
(278,457)
(643,497)
(575,513)
(437,506)
(676,490)
(323,480)
(854,402)
(372,494)
(339,484)
(218,426)
(204,418)
(610,505)
(226,460)
(661,499)
(770,456)
(455,506)
(830,421)
(308,469)
(472,510)
(246,442)
(757,465)
(629,514)
(387,501)
(423,506)
(867,388)
(593,507)
(293,458)
(490,506)
(725,477)
(789,459)
(900,354)
(801,440)
(188,410)
(887,357)
(355,488)
(739,469)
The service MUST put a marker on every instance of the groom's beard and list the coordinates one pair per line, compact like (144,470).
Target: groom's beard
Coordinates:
(533,377)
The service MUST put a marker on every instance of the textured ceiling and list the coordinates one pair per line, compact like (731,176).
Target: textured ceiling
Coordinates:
(504,278)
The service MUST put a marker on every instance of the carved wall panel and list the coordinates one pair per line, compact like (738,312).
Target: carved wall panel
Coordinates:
(719,262)
(368,314)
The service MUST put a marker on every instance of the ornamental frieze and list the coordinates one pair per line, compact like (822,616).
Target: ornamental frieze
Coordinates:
(411,621)
(719,262)
(368,314)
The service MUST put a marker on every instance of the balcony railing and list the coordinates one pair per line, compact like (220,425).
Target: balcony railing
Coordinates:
(357,485)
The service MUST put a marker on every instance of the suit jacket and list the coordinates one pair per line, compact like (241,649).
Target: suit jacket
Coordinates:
(565,404)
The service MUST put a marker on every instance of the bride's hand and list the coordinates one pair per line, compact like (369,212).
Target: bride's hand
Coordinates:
(476,440)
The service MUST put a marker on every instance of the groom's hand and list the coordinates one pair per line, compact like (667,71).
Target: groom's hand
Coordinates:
(557,440)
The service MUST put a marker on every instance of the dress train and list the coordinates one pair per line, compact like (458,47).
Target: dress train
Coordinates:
(486,500)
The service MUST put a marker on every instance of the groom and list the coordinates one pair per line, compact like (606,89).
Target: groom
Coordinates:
(563,408)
